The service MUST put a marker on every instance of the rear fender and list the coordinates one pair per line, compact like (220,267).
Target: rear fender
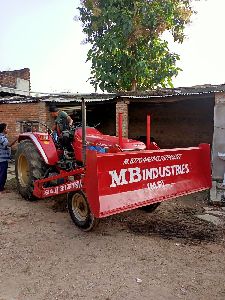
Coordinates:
(46,147)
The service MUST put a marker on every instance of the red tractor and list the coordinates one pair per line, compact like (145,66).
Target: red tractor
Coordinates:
(107,174)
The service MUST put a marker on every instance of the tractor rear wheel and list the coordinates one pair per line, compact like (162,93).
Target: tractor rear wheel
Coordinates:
(150,208)
(29,166)
(80,212)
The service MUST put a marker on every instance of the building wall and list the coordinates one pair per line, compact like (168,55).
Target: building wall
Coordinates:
(9,78)
(104,115)
(183,123)
(23,86)
(177,124)
(13,113)
(123,107)
(219,136)
(18,80)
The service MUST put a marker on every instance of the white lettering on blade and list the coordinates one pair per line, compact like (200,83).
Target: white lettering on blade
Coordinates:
(158,158)
(118,179)
(133,175)
(156,185)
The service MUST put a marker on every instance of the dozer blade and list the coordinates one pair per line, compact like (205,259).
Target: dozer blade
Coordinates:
(126,180)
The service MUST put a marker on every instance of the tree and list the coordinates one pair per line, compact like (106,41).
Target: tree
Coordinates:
(127,48)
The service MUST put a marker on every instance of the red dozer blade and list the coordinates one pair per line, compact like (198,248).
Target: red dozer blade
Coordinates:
(127,180)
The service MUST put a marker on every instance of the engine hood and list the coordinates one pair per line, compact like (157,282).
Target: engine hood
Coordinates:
(94,137)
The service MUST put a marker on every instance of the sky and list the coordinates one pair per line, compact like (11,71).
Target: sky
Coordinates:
(42,35)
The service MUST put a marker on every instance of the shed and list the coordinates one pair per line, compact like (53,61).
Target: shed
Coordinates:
(180,117)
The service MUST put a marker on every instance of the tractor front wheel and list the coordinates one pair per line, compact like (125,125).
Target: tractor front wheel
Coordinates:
(80,212)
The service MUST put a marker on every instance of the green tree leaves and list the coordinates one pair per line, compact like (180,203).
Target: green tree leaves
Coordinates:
(126,41)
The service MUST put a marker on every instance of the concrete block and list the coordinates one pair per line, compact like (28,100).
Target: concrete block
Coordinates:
(217,194)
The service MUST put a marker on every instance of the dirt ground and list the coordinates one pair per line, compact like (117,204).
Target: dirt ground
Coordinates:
(168,254)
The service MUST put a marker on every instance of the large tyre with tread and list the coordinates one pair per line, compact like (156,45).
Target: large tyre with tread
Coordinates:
(150,208)
(80,212)
(29,166)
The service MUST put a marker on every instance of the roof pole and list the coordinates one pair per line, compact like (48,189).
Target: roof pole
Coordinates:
(84,144)
(148,132)
(120,129)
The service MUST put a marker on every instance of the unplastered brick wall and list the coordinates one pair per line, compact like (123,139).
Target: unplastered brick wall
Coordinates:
(104,116)
(9,78)
(177,124)
(122,107)
(12,114)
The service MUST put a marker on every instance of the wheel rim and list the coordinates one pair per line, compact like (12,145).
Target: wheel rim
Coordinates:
(80,207)
(23,170)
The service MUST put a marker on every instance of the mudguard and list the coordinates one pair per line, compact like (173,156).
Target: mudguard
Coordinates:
(44,144)
(126,180)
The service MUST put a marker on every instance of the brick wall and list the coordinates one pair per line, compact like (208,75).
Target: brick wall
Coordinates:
(122,107)
(12,113)
(104,115)
(9,78)
(178,124)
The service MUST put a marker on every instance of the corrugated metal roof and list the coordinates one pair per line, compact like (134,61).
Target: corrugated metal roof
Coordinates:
(59,99)
(98,98)
(17,99)
(77,98)
(180,91)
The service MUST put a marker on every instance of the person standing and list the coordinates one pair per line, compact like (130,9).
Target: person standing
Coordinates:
(5,154)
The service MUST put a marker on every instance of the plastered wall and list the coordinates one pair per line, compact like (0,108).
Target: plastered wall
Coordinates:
(219,136)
